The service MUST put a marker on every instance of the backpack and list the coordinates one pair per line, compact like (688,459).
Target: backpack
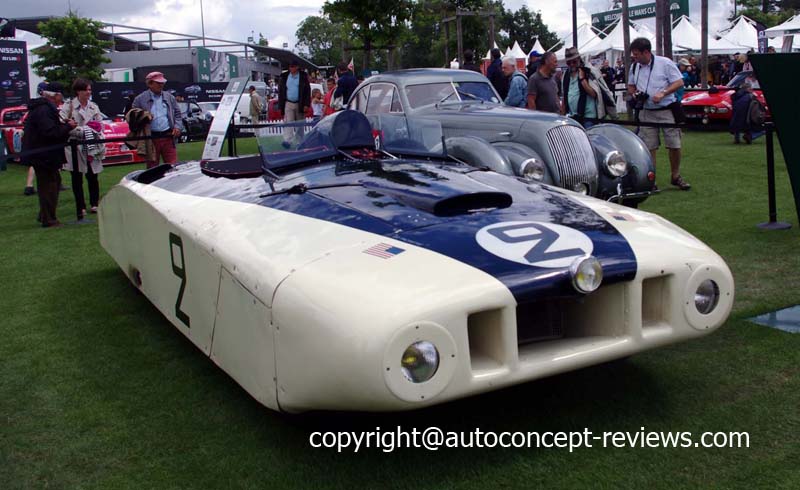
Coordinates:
(756,113)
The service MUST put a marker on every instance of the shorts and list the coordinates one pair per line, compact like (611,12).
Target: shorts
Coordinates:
(650,136)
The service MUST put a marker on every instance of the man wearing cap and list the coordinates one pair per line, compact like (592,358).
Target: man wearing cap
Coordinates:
(580,96)
(294,96)
(44,128)
(534,61)
(166,117)
(683,65)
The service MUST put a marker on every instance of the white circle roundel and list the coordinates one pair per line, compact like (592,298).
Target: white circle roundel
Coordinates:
(534,243)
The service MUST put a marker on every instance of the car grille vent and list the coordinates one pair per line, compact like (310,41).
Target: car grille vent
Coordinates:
(538,321)
(574,157)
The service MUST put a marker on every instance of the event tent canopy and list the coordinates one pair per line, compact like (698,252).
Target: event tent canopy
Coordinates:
(614,41)
(537,46)
(789,28)
(517,52)
(742,33)
(587,37)
(686,37)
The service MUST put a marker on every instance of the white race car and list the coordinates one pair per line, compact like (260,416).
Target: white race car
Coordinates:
(366,273)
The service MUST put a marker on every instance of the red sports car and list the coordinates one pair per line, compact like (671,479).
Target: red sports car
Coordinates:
(714,106)
(12,121)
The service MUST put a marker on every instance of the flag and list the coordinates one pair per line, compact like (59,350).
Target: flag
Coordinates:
(384,250)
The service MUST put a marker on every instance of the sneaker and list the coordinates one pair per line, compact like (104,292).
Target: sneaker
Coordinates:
(29,191)
(93,210)
(681,184)
(748,138)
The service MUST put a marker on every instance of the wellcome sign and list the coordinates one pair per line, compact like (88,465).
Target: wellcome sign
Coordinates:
(601,20)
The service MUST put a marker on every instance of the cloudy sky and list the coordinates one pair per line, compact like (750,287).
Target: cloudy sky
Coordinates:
(277,20)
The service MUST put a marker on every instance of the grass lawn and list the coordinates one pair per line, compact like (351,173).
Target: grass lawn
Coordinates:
(98,390)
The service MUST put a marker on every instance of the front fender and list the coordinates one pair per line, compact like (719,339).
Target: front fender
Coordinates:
(479,153)
(641,171)
(517,153)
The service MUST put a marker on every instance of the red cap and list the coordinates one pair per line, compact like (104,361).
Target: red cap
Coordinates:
(155,76)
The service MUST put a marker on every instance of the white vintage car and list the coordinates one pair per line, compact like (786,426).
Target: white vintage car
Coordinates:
(357,274)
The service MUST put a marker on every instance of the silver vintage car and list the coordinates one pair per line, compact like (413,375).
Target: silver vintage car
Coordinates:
(606,161)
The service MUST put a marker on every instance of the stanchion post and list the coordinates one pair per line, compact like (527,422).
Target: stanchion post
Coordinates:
(773,223)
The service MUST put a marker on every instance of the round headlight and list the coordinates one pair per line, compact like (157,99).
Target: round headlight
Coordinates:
(615,163)
(706,297)
(581,188)
(420,361)
(532,169)
(587,274)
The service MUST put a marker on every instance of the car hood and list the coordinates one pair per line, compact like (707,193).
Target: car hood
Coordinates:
(459,213)
(523,234)
(476,109)
(708,99)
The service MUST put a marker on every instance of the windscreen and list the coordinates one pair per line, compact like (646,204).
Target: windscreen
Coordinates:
(442,92)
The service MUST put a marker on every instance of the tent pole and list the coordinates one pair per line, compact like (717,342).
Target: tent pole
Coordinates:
(704,44)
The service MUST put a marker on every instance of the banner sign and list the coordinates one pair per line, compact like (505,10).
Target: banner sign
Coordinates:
(13,73)
(214,66)
(112,97)
(222,118)
(601,20)
(771,70)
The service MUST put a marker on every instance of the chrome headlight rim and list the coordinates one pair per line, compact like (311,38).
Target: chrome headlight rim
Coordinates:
(721,275)
(706,297)
(615,164)
(420,361)
(586,273)
(532,169)
(581,188)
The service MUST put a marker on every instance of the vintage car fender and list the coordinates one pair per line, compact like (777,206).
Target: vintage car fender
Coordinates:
(641,171)
(479,153)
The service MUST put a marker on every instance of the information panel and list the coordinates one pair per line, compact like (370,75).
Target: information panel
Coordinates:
(13,73)
(222,118)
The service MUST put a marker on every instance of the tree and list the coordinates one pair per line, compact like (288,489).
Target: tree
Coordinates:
(73,50)
(525,27)
(321,40)
(370,21)
(767,12)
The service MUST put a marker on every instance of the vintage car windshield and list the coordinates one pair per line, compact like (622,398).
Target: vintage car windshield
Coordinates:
(433,93)
(745,76)
(11,117)
(409,136)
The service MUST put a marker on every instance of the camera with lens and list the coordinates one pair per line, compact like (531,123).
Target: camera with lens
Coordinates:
(639,98)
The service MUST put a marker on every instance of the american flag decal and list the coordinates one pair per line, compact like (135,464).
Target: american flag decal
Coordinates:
(384,250)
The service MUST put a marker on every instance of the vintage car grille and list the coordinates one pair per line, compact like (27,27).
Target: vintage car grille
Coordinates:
(574,157)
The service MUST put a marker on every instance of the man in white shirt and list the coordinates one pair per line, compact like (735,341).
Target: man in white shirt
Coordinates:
(653,81)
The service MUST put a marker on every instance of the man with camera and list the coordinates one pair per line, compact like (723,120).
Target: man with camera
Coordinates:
(652,83)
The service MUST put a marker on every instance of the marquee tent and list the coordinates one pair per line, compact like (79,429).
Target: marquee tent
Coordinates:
(537,46)
(686,37)
(587,37)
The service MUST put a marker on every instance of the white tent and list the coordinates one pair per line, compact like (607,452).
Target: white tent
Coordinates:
(789,28)
(517,52)
(489,53)
(537,46)
(686,37)
(587,37)
(615,42)
(742,33)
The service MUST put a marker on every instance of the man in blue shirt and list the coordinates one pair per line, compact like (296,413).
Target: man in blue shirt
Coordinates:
(167,120)
(517,83)
(654,80)
(294,97)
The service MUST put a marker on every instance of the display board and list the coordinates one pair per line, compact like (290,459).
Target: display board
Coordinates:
(13,73)
(222,119)
(111,97)
(601,20)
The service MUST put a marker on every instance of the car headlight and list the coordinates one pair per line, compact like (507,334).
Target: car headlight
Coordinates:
(420,361)
(615,164)
(532,169)
(706,297)
(587,274)
(581,188)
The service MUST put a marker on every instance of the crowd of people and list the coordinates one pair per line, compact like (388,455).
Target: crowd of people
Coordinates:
(655,86)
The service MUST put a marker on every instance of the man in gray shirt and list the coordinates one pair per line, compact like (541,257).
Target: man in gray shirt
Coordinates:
(542,88)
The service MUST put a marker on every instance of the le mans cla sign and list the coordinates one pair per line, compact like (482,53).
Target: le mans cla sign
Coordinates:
(601,20)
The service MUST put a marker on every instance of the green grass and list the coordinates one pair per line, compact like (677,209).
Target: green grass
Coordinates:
(98,390)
